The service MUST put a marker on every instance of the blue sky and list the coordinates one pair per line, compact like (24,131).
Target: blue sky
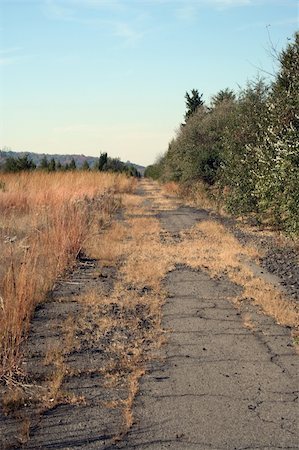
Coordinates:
(85,76)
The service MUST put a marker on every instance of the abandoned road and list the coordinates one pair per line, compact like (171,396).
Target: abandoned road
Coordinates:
(218,384)
(161,344)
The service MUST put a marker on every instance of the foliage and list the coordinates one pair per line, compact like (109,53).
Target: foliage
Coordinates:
(22,163)
(245,146)
(224,95)
(85,165)
(73,164)
(193,102)
(104,164)
(115,165)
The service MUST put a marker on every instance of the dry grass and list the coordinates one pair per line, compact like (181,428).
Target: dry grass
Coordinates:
(107,245)
(44,221)
(146,263)
(248,322)
(135,247)
(133,390)
(171,188)
(210,246)
(197,194)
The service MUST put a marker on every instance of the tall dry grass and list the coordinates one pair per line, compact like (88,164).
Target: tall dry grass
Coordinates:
(44,221)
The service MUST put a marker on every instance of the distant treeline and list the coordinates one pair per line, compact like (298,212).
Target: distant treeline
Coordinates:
(104,163)
(244,148)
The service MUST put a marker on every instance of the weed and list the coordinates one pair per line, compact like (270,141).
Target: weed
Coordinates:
(2,186)
(47,217)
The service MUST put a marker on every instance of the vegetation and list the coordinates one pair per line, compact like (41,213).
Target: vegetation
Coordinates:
(45,219)
(244,147)
(103,164)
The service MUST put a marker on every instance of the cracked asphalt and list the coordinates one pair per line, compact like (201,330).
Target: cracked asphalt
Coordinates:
(216,384)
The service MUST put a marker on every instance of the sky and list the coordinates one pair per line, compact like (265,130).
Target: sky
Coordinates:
(92,76)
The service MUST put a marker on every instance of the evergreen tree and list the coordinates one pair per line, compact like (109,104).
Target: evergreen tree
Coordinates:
(10,164)
(59,165)
(73,164)
(224,95)
(19,164)
(102,163)
(52,165)
(44,163)
(193,102)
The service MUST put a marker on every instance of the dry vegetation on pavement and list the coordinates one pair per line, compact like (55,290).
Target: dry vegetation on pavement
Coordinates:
(44,221)
(124,323)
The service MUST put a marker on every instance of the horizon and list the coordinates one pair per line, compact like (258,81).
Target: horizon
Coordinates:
(90,76)
(57,155)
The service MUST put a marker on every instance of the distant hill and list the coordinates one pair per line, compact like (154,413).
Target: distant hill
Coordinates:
(63,159)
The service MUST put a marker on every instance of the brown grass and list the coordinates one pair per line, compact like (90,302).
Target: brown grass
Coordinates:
(171,188)
(107,245)
(197,194)
(210,246)
(135,247)
(133,390)
(44,221)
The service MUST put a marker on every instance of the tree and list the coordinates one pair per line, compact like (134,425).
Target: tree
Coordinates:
(10,164)
(85,165)
(277,185)
(193,102)
(52,165)
(59,165)
(44,163)
(224,95)
(19,164)
(102,163)
(73,164)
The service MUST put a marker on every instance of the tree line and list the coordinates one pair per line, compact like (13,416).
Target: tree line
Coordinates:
(103,164)
(244,147)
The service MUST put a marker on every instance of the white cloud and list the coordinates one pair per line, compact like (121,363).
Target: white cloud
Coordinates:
(188,12)
(126,32)
(10,56)
(276,23)
(198,3)
(58,10)
(78,11)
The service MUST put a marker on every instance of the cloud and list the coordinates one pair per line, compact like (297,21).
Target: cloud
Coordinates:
(187,13)
(276,23)
(10,56)
(231,3)
(188,10)
(126,32)
(198,3)
(58,10)
(130,30)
